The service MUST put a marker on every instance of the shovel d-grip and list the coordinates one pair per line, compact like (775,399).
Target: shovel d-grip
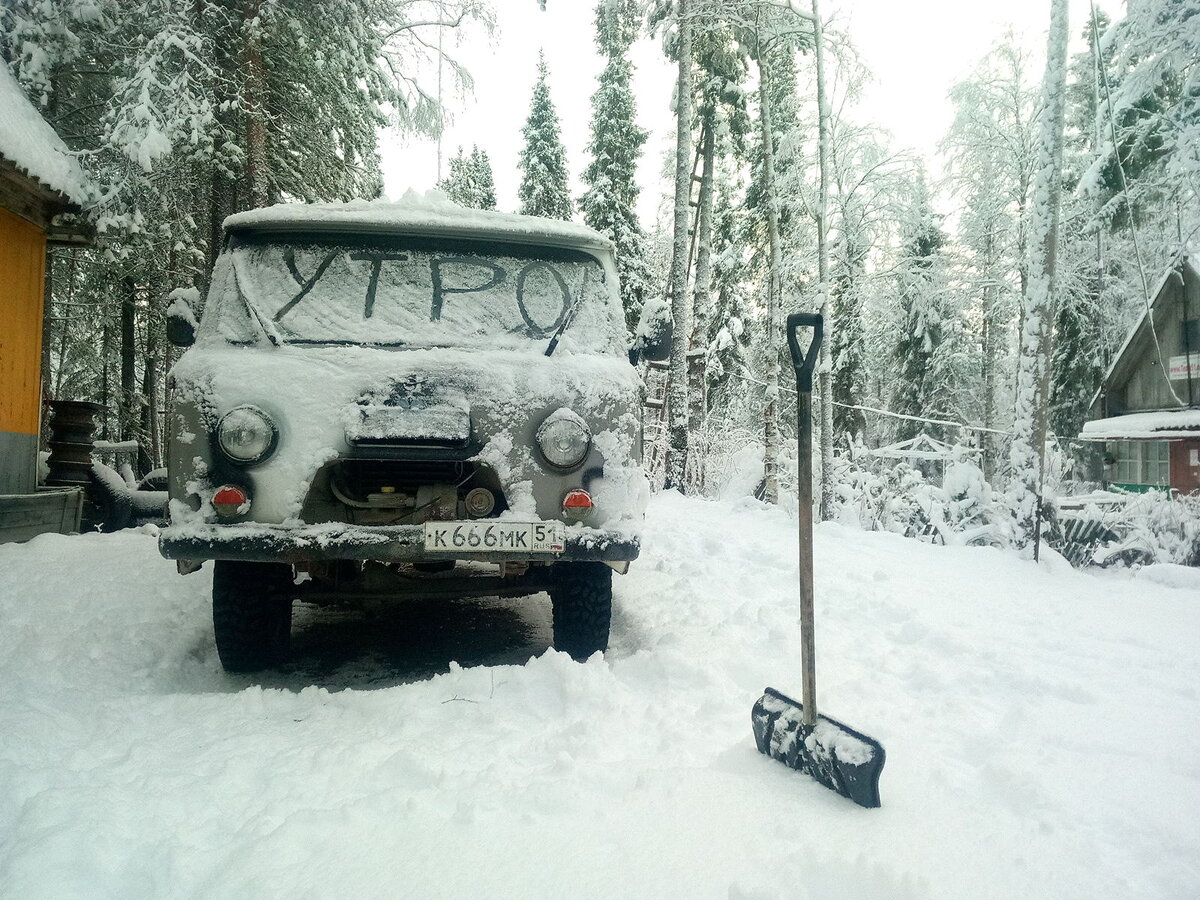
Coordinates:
(835,755)
(805,362)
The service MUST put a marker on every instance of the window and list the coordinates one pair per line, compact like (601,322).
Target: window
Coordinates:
(1191,336)
(1157,457)
(1125,471)
(1141,463)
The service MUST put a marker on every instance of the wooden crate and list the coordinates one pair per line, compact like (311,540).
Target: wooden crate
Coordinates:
(25,516)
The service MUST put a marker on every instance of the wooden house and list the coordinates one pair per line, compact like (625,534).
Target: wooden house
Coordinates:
(1147,411)
(39,180)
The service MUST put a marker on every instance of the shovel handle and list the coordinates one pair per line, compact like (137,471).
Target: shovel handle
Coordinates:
(805,363)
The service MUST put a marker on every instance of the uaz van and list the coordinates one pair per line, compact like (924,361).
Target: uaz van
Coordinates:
(404,400)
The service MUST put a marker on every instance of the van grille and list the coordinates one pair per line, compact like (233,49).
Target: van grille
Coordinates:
(358,478)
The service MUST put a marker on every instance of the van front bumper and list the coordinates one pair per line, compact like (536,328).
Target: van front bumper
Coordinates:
(384,543)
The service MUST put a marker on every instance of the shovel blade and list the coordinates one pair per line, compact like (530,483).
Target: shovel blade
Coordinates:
(837,756)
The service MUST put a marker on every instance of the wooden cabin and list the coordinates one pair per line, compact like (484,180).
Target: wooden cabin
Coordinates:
(1147,411)
(39,180)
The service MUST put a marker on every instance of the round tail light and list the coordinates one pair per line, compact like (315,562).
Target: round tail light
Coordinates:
(230,500)
(577,504)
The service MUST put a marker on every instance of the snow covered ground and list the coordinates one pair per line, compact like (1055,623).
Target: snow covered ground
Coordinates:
(1041,725)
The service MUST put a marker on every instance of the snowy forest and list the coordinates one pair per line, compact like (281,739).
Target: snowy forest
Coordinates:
(971,312)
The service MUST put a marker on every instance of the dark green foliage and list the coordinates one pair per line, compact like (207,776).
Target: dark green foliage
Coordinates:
(1076,369)
(921,325)
(847,351)
(543,190)
(470,181)
(609,204)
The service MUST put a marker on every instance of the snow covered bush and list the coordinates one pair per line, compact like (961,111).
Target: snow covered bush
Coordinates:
(1153,527)
(900,498)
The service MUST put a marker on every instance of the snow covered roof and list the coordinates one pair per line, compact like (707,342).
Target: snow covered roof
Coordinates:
(431,213)
(29,143)
(1175,423)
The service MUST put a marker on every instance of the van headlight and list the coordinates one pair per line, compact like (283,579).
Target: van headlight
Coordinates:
(564,439)
(246,435)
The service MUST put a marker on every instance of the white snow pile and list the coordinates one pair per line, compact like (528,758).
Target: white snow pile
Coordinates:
(1040,725)
(28,141)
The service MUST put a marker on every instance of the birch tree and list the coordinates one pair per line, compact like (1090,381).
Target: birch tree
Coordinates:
(1027,454)
(992,153)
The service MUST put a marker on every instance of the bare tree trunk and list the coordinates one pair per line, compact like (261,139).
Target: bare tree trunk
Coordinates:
(65,331)
(127,416)
(47,322)
(1033,373)
(774,291)
(257,181)
(105,352)
(677,402)
(702,290)
(991,352)
(825,370)
(148,455)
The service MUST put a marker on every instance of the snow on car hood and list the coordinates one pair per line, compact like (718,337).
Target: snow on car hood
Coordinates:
(314,394)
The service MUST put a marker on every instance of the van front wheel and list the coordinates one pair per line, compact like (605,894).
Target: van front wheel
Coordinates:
(252,614)
(581,597)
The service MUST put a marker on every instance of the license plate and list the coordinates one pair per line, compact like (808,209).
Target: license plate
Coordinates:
(484,537)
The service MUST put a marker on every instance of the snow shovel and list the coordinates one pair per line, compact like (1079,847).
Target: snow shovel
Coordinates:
(837,756)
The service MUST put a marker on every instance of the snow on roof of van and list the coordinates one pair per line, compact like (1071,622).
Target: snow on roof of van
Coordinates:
(30,144)
(415,213)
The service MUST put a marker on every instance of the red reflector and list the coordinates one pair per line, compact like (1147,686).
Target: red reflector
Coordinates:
(229,500)
(577,499)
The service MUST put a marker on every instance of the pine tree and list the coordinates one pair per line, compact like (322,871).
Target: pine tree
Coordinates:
(609,204)
(1077,364)
(543,190)
(677,285)
(1149,106)
(731,323)
(921,319)
(723,124)
(457,183)
(482,178)
(848,350)
(469,182)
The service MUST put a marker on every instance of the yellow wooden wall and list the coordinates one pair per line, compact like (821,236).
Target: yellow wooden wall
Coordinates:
(22,275)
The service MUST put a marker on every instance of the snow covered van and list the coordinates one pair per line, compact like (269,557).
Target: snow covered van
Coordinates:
(409,399)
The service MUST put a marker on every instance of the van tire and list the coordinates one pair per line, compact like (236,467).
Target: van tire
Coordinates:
(581,599)
(252,614)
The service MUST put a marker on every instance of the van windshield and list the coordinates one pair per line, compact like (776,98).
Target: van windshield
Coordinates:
(419,294)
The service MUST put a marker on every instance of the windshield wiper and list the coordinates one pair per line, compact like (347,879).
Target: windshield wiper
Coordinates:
(570,314)
(264,324)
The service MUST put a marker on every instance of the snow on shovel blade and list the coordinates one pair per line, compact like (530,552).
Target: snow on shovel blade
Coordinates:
(842,759)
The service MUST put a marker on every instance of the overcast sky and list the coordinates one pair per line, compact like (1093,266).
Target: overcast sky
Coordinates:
(915,50)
